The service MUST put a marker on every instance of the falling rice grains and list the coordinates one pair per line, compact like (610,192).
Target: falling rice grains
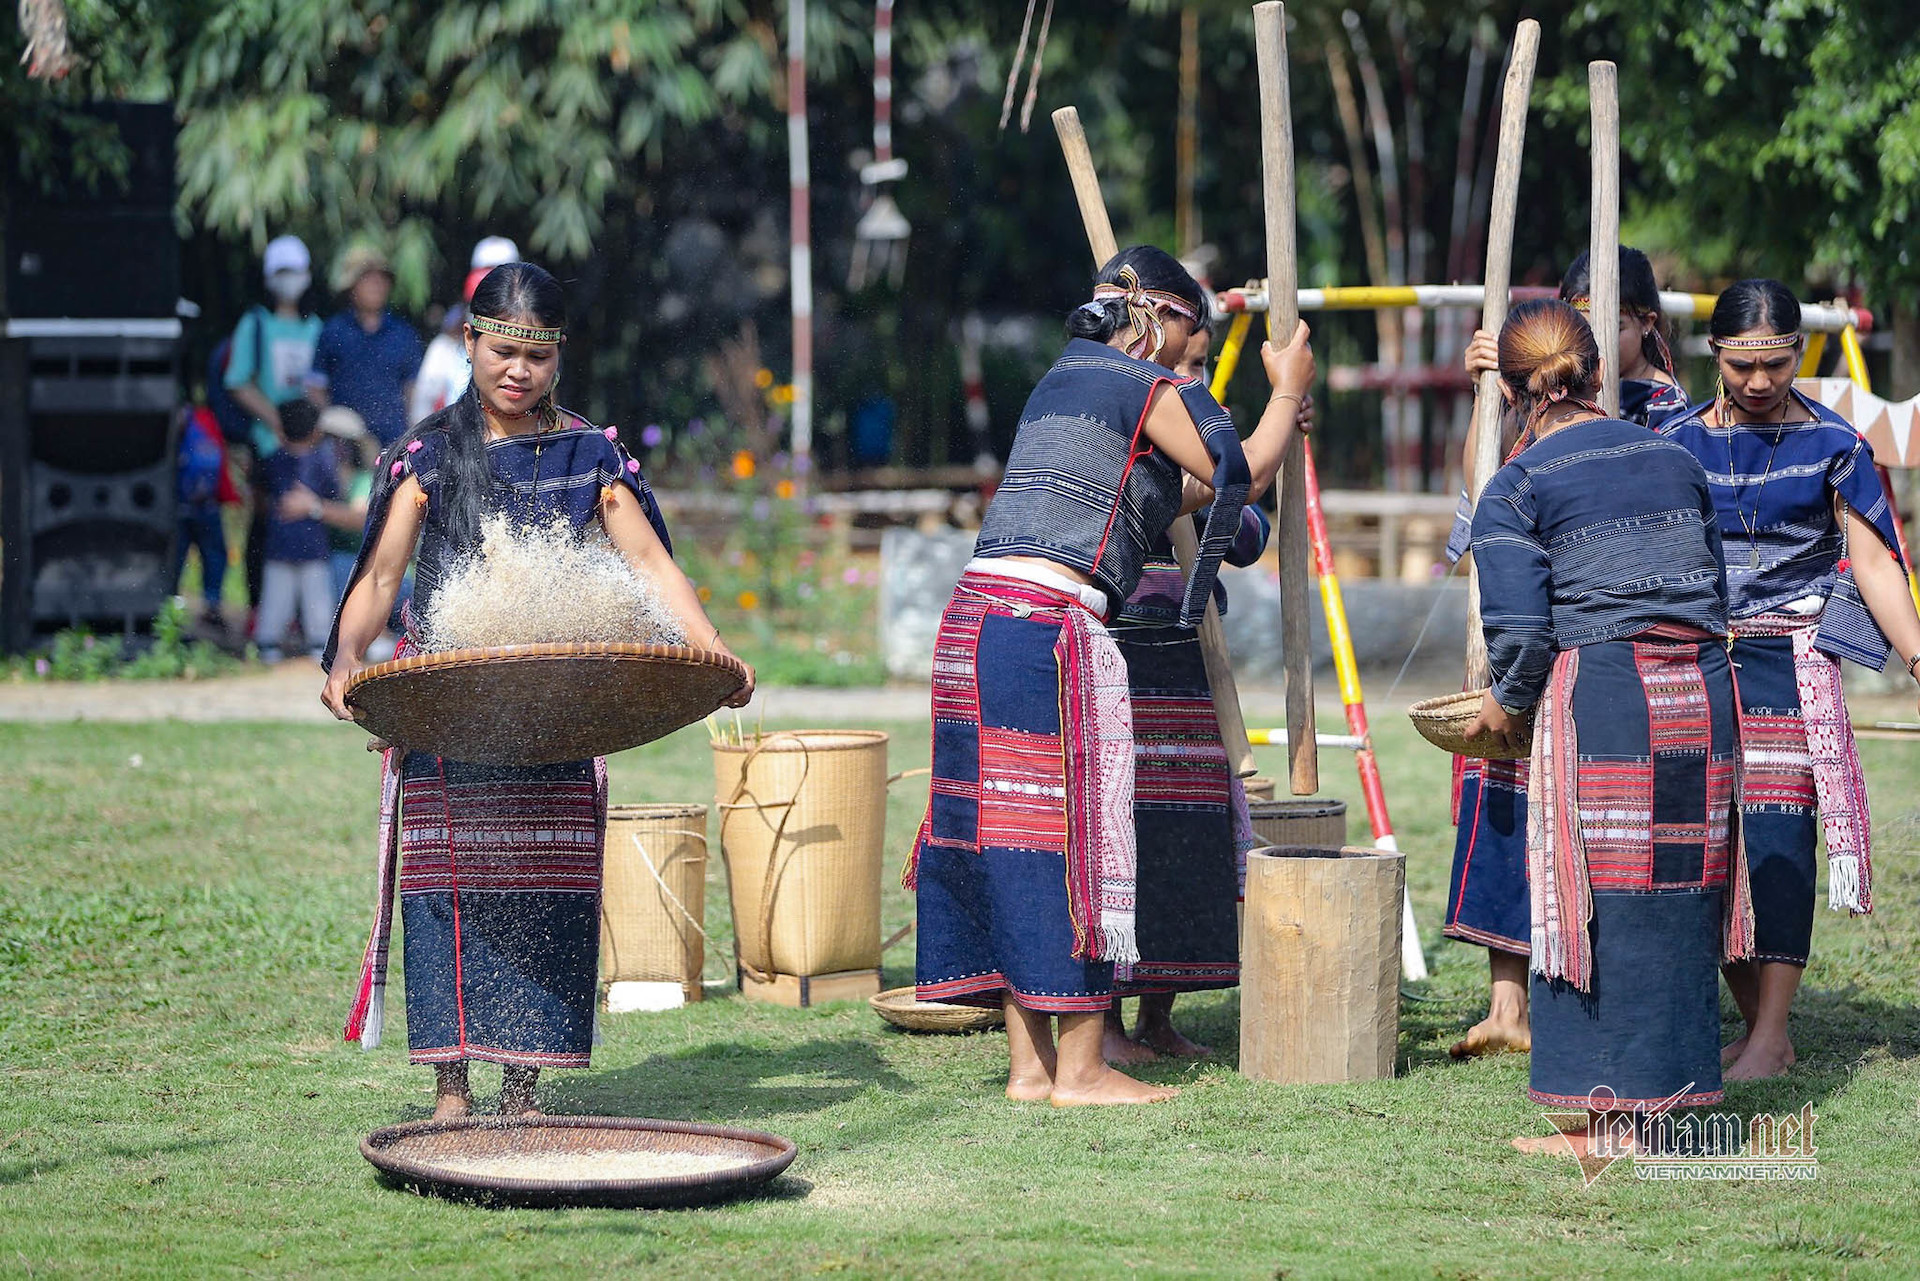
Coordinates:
(534,584)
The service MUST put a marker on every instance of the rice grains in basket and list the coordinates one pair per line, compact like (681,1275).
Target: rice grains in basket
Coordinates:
(534,584)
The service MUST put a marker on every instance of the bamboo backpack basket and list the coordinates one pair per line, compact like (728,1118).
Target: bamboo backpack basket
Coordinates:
(802,831)
(653,904)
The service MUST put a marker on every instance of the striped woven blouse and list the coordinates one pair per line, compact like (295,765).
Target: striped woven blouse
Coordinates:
(1773,485)
(1597,532)
(1646,401)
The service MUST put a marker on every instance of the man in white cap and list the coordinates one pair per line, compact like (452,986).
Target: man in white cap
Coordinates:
(444,373)
(268,358)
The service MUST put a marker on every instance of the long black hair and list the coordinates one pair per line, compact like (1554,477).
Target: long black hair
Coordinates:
(1156,269)
(1758,303)
(518,292)
(1639,295)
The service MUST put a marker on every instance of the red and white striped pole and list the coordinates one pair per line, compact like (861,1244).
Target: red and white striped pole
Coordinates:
(882,81)
(800,254)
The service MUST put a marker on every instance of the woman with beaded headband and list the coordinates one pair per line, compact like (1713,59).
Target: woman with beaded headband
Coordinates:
(1487,890)
(1026,862)
(1604,604)
(501,893)
(1814,575)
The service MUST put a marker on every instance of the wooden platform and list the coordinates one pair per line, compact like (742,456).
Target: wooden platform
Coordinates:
(797,991)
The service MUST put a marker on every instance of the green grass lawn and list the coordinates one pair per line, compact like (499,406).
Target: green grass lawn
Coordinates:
(183,913)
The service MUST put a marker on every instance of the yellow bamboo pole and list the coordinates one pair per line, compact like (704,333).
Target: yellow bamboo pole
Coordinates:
(1230,349)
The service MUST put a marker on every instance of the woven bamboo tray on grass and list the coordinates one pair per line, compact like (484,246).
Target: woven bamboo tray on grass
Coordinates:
(555,1161)
(1443,722)
(898,1007)
(539,704)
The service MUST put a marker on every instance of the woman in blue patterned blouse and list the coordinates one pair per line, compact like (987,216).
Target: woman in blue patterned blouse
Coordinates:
(1813,575)
(1487,891)
(498,867)
(1604,603)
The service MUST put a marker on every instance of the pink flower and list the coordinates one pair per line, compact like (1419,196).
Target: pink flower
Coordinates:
(611,433)
(633,466)
(851,576)
(413,446)
(398,467)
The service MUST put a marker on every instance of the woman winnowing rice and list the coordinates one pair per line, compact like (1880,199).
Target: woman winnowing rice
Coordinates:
(1025,863)
(1604,606)
(498,867)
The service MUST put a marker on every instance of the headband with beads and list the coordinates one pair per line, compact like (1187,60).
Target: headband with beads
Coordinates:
(1762,342)
(518,333)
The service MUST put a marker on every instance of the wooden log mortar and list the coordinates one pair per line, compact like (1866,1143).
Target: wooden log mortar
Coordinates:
(1186,547)
(1320,964)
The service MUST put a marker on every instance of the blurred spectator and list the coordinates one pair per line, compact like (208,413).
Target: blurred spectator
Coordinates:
(346,516)
(367,357)
(445,373)
(203,486)
(263,366)
(297,577)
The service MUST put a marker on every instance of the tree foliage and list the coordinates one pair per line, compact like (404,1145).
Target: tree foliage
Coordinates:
(1781,138)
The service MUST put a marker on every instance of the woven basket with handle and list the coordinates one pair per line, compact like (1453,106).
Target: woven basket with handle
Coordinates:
(802,829)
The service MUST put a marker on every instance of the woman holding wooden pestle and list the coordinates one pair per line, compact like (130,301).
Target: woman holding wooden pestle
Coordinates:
(1026,862)
(1487,901)
(1190,819)
(1604,604)
(1814,575)
(501,887)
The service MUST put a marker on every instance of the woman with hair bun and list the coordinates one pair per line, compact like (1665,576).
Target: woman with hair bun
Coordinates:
(1814,575)
(1604,606)
(1487,891)
(1026,864)
(500,894)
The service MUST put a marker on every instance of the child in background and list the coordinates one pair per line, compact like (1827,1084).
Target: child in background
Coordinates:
(203,486)
(296,574)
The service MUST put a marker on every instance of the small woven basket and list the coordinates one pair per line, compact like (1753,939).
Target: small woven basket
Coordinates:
(898,1007)
(1443,722)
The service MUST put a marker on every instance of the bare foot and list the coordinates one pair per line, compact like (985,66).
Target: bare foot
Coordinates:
(1117,1047)
(1550,1144)
(1760,1060)
(1111,1087)
(1730,1054)
(516,1091)
(1029,1088)
(452,1107)
(1493,1036)
(1165,1039)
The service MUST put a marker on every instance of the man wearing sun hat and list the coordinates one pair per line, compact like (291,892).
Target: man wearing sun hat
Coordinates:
(445,373)
(367,357)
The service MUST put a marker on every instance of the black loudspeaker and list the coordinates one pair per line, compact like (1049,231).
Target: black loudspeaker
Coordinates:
(87,459)
(99,247)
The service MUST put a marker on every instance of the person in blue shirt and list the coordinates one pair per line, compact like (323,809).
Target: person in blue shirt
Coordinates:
(297,577)
(367,357)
